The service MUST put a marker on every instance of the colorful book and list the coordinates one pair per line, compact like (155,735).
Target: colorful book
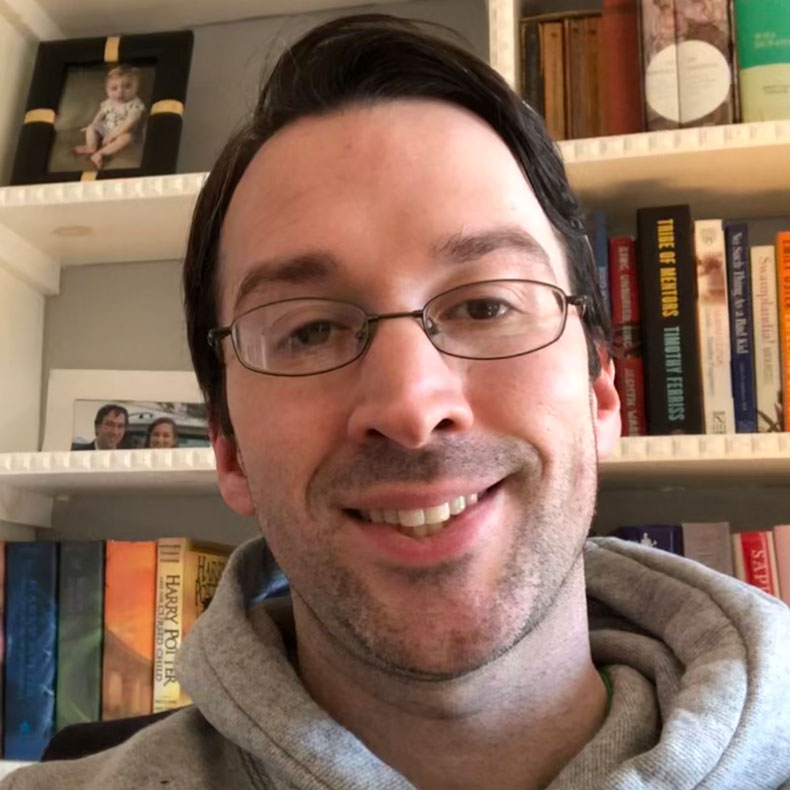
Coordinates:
(755,560)
(739,292)
(629,374)
(531,77)
(660,64)
(667,537)
(552,64)
(599,241)
(668,308)
(710,544)
(763,36)
(704,58)
(621,83)
(713,321)
(187,576)
(31,644)
(129,608)
(782,551)
(767,371)
(783,304)
(80,627)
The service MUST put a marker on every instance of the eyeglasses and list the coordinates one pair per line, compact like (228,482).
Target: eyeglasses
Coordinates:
(494,319)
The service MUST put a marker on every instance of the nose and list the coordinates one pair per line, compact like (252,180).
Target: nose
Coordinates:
(407,390)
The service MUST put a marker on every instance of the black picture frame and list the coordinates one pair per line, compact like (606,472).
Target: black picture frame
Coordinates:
(170,53)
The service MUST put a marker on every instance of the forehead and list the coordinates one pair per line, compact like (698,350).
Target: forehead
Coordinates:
(377,186)
(113,416)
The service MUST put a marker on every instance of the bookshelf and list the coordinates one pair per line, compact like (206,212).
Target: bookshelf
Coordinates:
(726,171)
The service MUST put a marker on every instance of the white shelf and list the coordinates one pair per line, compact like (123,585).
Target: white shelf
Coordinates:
(30,481)
(9,766)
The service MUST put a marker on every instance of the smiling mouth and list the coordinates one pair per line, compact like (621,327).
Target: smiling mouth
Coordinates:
(423,522)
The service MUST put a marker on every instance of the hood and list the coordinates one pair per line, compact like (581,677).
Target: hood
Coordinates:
(700,665)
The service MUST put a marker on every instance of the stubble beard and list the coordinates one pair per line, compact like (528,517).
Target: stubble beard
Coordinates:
(450,634)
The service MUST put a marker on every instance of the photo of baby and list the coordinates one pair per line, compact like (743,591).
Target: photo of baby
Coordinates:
(100,123)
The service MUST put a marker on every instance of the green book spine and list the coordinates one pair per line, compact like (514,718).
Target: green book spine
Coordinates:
(763,40)
(80,628)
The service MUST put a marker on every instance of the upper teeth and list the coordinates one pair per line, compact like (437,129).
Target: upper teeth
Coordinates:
(420,516)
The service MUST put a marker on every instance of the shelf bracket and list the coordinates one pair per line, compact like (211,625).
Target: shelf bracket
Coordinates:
(29,508)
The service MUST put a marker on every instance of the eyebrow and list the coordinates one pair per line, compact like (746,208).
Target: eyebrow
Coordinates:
(319,265)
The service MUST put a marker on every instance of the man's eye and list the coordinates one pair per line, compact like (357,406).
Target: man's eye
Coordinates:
(480,309)
(313,334)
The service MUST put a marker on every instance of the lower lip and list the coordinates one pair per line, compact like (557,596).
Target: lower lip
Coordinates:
(459,537)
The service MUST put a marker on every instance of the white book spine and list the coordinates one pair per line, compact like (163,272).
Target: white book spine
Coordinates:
(713,319)
(767,372)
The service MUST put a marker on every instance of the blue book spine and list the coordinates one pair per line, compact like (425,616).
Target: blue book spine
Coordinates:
(668,537)
(600,247)
(31,631)
(739,288)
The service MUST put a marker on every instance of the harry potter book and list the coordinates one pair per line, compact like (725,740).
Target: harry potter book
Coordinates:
(668,296)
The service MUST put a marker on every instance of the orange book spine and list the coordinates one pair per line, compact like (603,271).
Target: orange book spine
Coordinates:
(129,614)
(755,560)
(782,551)
(783,300)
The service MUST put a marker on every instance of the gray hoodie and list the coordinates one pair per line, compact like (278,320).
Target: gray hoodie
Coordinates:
(700,665)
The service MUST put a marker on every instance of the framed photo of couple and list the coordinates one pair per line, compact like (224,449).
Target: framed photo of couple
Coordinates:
(104,108)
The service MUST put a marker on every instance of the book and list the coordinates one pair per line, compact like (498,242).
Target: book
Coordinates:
(187,576)
(739,291)
(667,537)
(531,77)
(629,376)
(31,644)
(660,64)
(704,59)
(129,602)
(767,373)
(783,305)
(552,64)
(621,83)
(710,544)
(714,326)
(782,551)
(600,249)
(583,109)
(80,626)
(755,560)
(668,308)
(763,44)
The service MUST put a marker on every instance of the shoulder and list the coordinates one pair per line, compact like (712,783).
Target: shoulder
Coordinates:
(136,105)
(183,750)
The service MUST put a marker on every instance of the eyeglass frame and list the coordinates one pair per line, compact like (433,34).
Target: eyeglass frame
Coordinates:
(216,335)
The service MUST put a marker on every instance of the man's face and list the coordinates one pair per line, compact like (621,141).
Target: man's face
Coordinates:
(389,193)
(110,431)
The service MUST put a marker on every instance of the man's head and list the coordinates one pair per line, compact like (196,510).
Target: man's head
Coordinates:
(110,424)
(384,167)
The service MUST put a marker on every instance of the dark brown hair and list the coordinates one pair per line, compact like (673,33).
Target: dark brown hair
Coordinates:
(365,59)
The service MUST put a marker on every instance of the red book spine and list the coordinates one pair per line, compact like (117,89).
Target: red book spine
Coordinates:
(628,364)
(621,72)
(755,560)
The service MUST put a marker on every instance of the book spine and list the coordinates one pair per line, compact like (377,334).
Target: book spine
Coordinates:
(171,554)
(660,64)
(763,45)
(629,375)
(129,606)
(667,537)
(668,296)
(531,79)
(739,289)
(704,60)
(552,62)
(714,326)
(31,644)
(755,560)
(709,544)
(767,373)
(600,248)
(621,84)
(783,302)
(80,626)
(782,551)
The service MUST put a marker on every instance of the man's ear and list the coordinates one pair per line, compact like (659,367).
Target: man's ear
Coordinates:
(606,406)
(230,472)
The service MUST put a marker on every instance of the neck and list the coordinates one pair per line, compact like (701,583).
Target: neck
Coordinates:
(521,718)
